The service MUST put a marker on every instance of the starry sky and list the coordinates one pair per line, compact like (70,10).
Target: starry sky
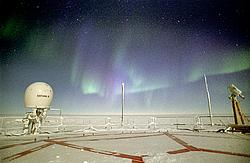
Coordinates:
(160,49)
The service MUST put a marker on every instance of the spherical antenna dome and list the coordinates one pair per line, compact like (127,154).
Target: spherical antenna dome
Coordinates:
(38,95)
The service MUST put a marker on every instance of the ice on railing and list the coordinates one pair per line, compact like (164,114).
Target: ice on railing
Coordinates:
(112,123)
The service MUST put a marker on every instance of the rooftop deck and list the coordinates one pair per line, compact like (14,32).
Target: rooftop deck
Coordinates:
(137,147)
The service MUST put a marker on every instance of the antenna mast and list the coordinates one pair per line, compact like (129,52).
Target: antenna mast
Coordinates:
(122,103)
(209,101)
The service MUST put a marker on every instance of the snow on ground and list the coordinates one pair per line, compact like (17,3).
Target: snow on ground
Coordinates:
(140,139)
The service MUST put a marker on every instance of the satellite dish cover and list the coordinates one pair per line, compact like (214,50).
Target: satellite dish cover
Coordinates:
(38,95)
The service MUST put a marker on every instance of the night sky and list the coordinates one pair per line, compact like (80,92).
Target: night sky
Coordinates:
(160,49)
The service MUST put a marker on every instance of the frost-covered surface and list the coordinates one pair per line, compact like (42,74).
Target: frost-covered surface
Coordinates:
(89,139)
(152,146)
(56,123)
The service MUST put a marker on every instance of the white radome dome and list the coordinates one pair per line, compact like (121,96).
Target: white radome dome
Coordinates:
(38,95)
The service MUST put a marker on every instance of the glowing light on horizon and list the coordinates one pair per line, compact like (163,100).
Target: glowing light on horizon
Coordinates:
(90,87)
(122,67)
(236,62)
